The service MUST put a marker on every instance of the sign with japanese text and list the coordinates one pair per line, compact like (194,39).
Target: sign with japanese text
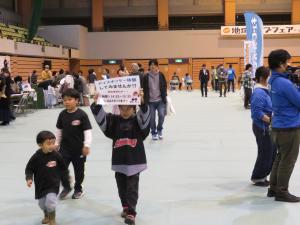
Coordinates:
(268,30)
(120,90)
(255,34)
(247,48)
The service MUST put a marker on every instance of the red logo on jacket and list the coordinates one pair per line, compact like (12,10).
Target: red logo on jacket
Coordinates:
(51,164)
(125,141)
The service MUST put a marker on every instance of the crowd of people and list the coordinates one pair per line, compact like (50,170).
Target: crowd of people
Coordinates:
(273,98)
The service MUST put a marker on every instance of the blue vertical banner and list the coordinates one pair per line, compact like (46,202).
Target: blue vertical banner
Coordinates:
(255,33)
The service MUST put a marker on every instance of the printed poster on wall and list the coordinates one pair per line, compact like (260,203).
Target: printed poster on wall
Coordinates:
(119,91)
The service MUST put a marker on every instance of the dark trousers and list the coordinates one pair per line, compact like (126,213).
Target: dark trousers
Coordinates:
(266,152)
(247,96)
(287,144)
(78,163)
(230,83)
(128,188)
(203,87)
(216,84)
(221,84)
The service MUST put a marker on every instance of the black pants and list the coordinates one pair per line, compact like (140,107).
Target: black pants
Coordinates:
(247,97)
(78,163)
(221,84)
(128,188)
(203,87)
(230,83)
(216,84)
(287,143)
(265,155)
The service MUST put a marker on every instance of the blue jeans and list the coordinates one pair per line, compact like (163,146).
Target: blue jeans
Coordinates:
(161,109)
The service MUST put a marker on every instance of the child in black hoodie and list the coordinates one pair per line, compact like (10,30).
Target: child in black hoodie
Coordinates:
(46,167)
(128,131)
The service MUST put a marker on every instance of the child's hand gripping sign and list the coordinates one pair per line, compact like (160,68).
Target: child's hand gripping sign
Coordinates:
(119,91)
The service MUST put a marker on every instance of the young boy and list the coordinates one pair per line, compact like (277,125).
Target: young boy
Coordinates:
(47,167)
(74,137)
(128,131)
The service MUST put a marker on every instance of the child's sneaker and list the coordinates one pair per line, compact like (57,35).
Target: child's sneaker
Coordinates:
(124,212)
(77,195)
(130,219)
(64,193)
(154,137)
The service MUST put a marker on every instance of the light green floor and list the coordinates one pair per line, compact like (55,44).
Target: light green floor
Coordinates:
(198,175)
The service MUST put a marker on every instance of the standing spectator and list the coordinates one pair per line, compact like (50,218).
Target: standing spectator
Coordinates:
(85,89)
(231,77)
(51,96)
(141,69)
(214,76)
(46,74)
(61,75)
(188,82)
(33,78)
(204,78)
(155,89)
(136,72)
(106,74)
(176,79)
(285,132)
(247,83)
(5,93)
(261,113)
(79,87)
(91,80)
(222,79)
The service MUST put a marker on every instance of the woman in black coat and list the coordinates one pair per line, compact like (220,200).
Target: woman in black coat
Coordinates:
(5,93)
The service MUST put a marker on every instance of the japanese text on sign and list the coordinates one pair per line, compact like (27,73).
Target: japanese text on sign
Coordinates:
(268,30)
(120,90)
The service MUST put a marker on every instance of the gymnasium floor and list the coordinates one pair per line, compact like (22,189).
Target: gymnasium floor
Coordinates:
(199,174)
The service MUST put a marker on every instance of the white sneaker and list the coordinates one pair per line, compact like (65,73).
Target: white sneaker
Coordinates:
(160,136)
(154,137)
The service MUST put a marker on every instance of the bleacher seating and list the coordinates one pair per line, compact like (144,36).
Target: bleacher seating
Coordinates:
(19,34)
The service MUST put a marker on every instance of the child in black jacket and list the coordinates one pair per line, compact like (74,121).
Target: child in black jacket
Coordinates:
(128,131)
(46,167)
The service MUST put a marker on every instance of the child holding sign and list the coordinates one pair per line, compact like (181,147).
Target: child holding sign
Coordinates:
(128,131)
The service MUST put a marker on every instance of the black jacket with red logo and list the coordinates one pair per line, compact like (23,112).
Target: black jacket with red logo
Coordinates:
(47,170)
(127,134)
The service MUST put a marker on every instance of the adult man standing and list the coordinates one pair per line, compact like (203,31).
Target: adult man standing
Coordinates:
(204,78)
(285,126)
(222,77)
(155,94)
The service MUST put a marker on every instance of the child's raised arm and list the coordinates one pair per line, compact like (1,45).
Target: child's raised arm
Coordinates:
(103,119)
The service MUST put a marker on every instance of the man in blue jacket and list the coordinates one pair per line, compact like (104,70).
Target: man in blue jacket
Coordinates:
(285,126)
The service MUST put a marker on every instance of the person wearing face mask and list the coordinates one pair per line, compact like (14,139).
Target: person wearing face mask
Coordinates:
(247,83)
(285,133)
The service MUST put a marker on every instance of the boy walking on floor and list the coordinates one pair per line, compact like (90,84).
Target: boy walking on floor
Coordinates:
(74,137)
(128,131)
(46,167)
